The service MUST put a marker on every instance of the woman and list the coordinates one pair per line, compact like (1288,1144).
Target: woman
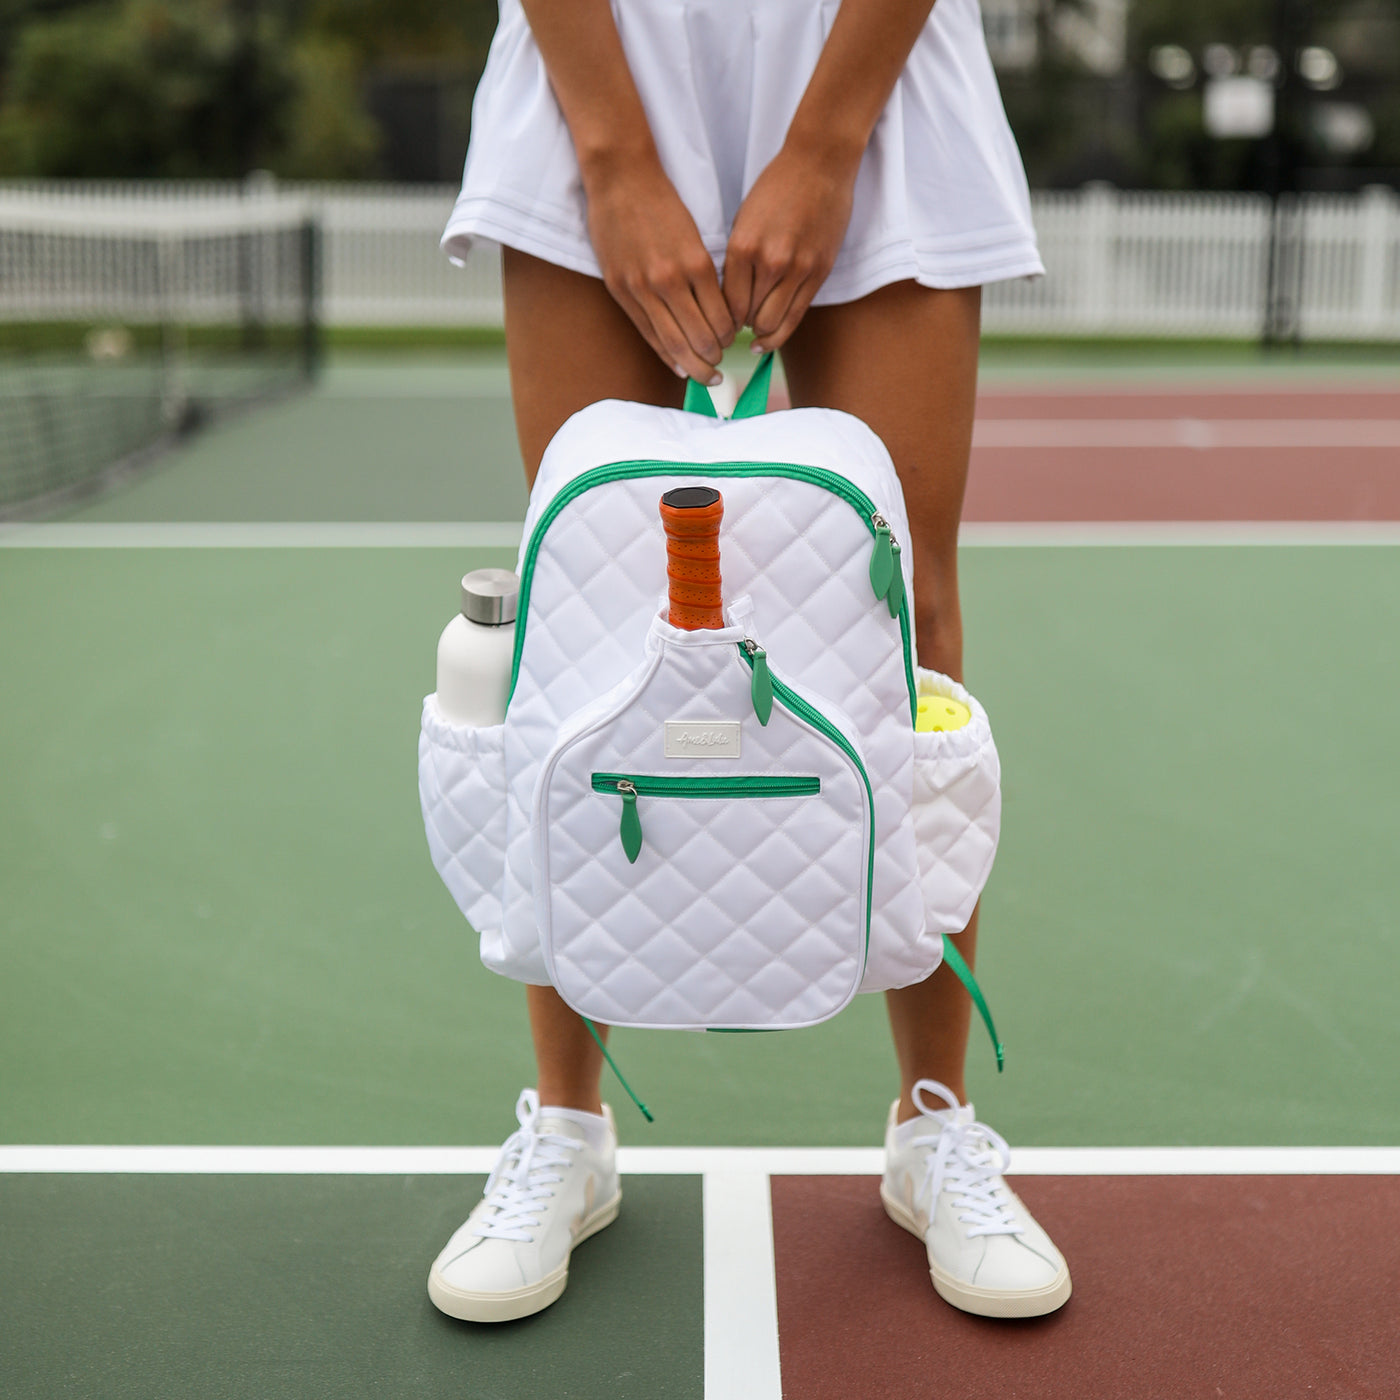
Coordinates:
(841,178)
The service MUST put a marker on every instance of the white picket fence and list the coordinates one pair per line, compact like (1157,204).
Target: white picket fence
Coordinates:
(1118,263)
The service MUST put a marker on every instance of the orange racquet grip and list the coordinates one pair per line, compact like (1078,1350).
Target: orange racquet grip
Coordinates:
(690,516)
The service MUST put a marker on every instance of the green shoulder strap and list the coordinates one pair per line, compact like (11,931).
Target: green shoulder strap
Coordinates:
(698,400)
(954,959)
(752,402)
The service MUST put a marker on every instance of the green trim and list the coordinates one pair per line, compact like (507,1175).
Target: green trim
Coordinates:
(796,705)
(630,471)
(954,959)
(735,785)
(753,402)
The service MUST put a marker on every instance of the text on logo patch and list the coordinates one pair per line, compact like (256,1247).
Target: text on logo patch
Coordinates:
(702,738)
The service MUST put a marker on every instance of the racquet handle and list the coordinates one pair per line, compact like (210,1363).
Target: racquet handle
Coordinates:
(691,516)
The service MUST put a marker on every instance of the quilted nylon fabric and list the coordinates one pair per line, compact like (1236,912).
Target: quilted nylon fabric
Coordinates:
(800,554)
(957,809)
(740,912)
(461,786)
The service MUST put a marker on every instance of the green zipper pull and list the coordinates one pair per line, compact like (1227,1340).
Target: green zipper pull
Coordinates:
(895,597)
(631,822)
(881,561)
(761,685)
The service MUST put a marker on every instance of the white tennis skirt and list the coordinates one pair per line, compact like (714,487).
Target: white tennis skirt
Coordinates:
(940,198)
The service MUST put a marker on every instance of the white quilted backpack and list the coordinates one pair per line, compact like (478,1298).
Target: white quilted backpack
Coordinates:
(729,829)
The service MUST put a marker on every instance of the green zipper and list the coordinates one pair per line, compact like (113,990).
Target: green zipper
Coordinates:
(737,785)
(630,786)
(630,471)
(795,704)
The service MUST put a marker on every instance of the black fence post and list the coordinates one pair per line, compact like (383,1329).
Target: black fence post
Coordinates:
(311,347)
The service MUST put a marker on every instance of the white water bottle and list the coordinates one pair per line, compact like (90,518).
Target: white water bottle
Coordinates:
(476,648)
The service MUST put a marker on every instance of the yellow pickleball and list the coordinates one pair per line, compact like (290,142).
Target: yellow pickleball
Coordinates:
(937,714)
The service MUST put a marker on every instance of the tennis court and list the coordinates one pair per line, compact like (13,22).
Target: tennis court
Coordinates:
(254,1072)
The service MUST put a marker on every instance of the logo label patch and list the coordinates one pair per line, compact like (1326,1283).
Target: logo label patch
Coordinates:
(702,738)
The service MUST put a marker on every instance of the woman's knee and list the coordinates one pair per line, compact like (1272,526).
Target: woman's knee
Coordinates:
(938,619)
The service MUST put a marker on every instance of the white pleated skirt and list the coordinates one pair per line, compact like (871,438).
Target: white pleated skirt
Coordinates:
(940,198)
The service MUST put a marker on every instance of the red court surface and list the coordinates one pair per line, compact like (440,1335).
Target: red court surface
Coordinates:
(1184,452)
(1185,1288)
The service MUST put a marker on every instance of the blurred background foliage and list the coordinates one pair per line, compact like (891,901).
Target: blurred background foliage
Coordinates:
(346,89)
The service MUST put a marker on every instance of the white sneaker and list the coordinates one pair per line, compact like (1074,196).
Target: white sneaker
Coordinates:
(555,1184)
(943,1182)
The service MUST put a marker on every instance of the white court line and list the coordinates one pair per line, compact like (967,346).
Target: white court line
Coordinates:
(1191,534)
(505,534)
(1199,434)
(698,1161)
(1172,382)
(408,534)
(741,1288)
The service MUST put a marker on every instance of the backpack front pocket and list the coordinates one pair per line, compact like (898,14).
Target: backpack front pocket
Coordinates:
(725,889)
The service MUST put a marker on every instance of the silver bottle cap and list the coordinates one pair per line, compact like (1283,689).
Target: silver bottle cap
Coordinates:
(489,596)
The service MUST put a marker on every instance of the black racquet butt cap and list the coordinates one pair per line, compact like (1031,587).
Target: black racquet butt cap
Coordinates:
(690,497)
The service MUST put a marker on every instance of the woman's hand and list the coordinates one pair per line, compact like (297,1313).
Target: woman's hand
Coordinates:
(792,222)
(785,239)
(657,269)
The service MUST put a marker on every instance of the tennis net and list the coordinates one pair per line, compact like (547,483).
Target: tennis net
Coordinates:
(123,328)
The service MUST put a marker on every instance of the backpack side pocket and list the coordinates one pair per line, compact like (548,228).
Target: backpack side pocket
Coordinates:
(956,809)
(462,789)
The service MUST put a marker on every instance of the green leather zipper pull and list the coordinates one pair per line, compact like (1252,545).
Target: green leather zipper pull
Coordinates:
(882,560)
(631,822)
(895,597)
(761,684)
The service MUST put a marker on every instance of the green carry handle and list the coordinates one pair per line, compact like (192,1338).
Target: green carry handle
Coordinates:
(752,402)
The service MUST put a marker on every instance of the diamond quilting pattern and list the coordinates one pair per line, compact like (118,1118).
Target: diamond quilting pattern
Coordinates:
(957,810)
(802,556)
(738,912)
(461,779)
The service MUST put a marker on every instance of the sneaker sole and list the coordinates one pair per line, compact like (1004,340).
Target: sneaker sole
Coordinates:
(518,1302)
(984,1302)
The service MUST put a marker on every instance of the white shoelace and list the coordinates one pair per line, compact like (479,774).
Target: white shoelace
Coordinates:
(525,1175)
(967,1161)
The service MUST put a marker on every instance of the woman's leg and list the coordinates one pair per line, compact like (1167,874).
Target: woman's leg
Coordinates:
(904,359)
(569,345)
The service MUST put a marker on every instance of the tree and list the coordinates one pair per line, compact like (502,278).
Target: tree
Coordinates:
(169,88)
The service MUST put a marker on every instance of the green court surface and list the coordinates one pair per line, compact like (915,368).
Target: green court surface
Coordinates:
(220,926)
(294,1286)
(374,440)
